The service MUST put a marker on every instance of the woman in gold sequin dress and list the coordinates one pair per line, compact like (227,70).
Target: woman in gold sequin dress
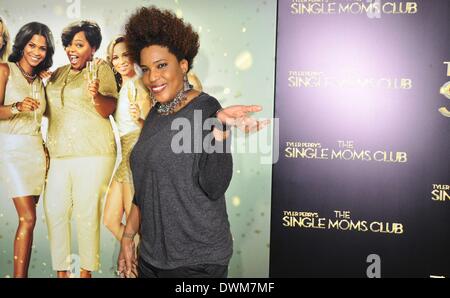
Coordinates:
(133,98)
(22,158)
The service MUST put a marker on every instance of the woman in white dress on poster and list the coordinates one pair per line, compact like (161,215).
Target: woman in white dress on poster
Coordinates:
(22,157)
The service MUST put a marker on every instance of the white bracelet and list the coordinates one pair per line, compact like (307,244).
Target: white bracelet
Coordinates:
(14,109)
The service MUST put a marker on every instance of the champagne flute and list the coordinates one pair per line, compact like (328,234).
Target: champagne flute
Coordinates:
(92,76)
(36,95)
(132,94)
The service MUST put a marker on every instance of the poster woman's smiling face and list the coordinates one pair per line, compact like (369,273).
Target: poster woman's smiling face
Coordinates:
(121,60)
(79,51)
(35,50)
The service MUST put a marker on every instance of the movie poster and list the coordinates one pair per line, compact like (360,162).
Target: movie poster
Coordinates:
(235,64)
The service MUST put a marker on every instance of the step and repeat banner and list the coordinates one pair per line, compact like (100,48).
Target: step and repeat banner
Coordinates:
(362,185)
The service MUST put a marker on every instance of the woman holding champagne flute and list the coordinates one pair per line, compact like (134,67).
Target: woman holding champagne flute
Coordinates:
(133,98)
(82,148)
(22,158)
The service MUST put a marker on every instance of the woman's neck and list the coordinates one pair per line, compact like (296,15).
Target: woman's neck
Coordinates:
(26,67)
(190,96)
(76,70)
(128,77)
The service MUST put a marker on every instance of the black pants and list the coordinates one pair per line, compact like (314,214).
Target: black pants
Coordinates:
(145,270)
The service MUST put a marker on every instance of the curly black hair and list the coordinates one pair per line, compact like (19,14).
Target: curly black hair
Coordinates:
(90,29)
(151,26)
(24,36)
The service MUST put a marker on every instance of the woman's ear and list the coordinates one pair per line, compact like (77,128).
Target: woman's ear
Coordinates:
(184,64)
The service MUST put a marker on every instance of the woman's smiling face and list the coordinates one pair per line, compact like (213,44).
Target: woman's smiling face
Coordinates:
(121,60)
(163,73)
(35,51)
(79,51)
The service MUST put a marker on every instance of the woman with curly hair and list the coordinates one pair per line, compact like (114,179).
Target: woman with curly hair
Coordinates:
(180,176)
(82,149)
(5,45)
(22,157)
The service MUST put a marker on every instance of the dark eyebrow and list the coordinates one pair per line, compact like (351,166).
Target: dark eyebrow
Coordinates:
(156,62)
(160,60)
(32,43)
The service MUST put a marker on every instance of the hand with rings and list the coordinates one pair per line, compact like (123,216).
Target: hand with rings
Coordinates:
(28,105)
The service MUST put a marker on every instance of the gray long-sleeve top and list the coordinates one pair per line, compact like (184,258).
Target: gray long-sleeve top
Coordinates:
(181,195)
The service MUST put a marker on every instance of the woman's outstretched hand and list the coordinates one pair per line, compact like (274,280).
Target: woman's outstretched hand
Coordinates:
(239,116)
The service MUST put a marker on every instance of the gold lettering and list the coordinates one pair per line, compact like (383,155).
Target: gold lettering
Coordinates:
(406,84)
(411,7)
(294,8)
(448,68)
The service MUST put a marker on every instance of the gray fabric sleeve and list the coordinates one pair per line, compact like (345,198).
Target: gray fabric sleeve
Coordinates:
(216,168)
(216,171)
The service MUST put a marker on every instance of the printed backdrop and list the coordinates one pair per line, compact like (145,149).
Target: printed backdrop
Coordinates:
(362,184)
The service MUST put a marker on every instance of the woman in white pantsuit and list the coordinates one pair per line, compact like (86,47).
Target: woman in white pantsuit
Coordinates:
(82,149)
(22,158)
